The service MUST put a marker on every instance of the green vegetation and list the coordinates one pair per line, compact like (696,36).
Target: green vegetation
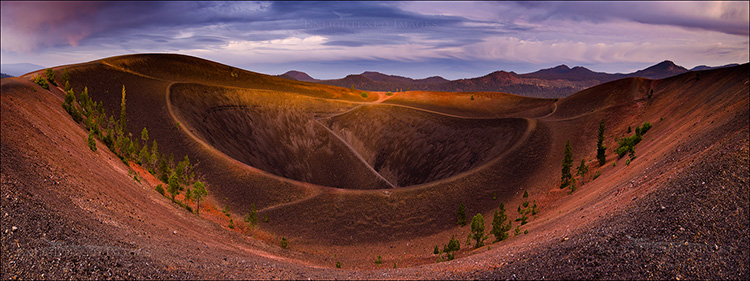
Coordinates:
(111,132)
(472,97)
(596,175)
(39,80)
(231,224)
(379,260)
(461,215)
(226,211)
(123,116)
(338,264)
(600,148)
(567,163)
(388,94)
(174,186)
(199,191)
(627,145)
(477,230)
(450,248)
(284,243)
(436,250)
(499,228)
(252,217)
(160,189)
(363,94)
(65,79)
(51,76)
(92,142)
(265,218)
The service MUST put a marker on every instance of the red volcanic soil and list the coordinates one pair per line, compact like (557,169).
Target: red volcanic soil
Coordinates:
(346,178)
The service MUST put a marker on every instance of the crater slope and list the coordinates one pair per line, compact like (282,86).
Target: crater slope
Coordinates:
(347,178)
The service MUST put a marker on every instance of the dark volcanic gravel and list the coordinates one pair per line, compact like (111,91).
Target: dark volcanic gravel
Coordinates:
(693,227)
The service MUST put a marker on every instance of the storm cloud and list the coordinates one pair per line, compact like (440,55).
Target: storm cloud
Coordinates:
(475,37)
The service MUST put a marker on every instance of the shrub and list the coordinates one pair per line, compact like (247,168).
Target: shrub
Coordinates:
(452,246)
(525,194)
(160,189)
(472,97)
(379,260)
(252,217)
(388,94)
(51,76)
(92,142)
(363,94)
(39,80)
(65,77)
(226,210)
(338,264)
(436,250)
(231,226)
(461,215)
(533,210)
(597,174)
(265,218)
(477,230)
(284,243)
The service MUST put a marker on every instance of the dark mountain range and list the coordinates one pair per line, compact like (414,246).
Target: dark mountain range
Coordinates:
(18,69)
(705,67)
(3,75)
(559,81)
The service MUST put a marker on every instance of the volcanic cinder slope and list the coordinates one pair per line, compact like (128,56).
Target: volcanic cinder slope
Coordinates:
(347,178)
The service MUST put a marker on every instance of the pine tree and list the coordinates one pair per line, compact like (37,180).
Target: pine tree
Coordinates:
(567,163)
(600,148)
(461,215)
(174,186)
(199,191)
(154,154)
(144,136)
(499,228)
(477,230)
(122,110)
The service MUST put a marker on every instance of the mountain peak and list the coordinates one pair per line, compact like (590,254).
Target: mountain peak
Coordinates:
(299,76)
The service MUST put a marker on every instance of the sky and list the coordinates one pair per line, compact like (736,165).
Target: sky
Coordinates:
(420,39)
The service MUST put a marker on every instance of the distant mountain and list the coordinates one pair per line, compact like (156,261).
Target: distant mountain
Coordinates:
(559,81)
(577,73)
(3,75)
(298,75)
(705,67)
(661,70)
(18,69)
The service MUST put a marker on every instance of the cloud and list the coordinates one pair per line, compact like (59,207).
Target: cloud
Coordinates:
(725,17)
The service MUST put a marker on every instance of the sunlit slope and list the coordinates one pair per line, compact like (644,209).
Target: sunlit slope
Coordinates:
(475,104)
(181,68)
